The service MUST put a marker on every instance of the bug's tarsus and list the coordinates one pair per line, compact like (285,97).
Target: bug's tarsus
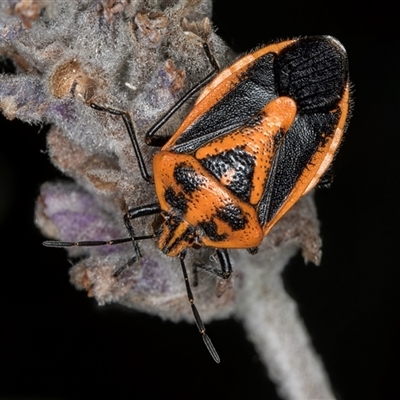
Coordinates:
(253,250)
(326,179)
(131,232)
(197,318)
(211,57)
(122,268)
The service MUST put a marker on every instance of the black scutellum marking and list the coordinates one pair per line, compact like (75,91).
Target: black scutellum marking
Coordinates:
(210,228)
(239,164)
(233,216)
(177,201)
(188,178)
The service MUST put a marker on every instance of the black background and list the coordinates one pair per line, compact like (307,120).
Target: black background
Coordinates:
(58,344)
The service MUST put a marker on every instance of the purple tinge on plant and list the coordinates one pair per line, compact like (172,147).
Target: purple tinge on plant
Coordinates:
(30,104)
(153,277)
(58,110)
(77,217)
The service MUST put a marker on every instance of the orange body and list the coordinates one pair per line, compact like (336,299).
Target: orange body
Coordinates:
(219,188)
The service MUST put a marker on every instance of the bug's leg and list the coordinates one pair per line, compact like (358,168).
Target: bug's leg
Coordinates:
(253,250)
(225,270)
(195,268)
(326,179)
(225,263)
(128,264)
(138,212)
(134,213)
(197,318)
(211,57)
(151,138)
(160,140)
(129,127)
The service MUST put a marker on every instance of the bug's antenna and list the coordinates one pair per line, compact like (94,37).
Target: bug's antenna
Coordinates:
(199,322)
(88,243)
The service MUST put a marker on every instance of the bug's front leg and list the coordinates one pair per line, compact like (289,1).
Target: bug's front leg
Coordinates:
(137,212)
(132,214)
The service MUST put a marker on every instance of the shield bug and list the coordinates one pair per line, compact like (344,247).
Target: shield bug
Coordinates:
(261,135)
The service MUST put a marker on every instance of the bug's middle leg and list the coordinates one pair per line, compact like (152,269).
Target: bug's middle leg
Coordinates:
(224,272)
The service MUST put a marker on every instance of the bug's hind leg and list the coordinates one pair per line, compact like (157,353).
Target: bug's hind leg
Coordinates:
(128,264)
(135,144)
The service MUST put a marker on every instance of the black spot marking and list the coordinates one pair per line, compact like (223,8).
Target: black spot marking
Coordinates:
(186,176)
(176,201)
(170,224)
(233,216)
(210,228)
(237,160)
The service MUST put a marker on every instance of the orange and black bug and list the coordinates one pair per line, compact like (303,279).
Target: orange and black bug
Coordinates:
(260,135)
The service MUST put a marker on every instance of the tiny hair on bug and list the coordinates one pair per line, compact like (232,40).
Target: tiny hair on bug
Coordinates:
(262,133)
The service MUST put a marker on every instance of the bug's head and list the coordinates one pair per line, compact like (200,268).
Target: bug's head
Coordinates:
(175,235)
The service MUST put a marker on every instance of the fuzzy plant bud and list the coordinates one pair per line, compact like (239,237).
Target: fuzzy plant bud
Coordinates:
(141,57)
